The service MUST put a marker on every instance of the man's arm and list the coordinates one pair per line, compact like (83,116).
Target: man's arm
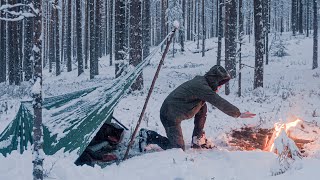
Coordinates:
(207,94)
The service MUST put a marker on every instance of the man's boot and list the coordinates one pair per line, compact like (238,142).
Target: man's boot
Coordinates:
(201,142)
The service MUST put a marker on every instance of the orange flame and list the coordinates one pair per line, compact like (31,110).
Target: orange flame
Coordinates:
(278,128)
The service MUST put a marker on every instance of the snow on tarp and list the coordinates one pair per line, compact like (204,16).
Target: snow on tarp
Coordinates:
(70,121)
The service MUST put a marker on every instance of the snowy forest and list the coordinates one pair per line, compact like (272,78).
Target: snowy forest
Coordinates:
(80,80)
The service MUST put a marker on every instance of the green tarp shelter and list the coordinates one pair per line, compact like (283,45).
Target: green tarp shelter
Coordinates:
(70,121)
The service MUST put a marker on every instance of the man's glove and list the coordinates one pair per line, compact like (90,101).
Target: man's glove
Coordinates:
(247,115)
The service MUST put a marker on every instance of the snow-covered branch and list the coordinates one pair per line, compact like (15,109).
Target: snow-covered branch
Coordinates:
(17,16)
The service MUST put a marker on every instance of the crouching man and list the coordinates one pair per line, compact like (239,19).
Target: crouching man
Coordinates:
(187,101)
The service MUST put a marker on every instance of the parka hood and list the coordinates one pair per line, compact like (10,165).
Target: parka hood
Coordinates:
(217,76)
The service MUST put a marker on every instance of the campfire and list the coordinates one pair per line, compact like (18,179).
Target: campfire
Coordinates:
(293,135)
(287,140)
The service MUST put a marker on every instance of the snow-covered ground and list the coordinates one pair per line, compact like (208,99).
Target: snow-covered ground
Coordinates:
(291,90)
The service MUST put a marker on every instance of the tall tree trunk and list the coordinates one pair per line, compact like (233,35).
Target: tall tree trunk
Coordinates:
(230,40)
(119,36)
(3,63)
(79,37)
(11,68)
(240,31)
(308,17)
(294,16)
(189,20)
(111,16)
(68,38)
(57,40)
(28,23)
(183,28)
(86,35)
(300,17)
(203,30)
(164,7)
(198,24)
(92,39)
(267,31)
(97,39)
(220,25)
(136,40)
(315,35)
(146,30)
(258,34)
(52,37)
(3,39)
(37,97)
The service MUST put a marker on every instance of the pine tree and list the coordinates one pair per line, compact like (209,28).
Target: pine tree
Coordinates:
(111,27)
(68,37)
(300,17)
(230,39)
(315,35)
(182,29)
(258,34)
(92,39)
(220,31)
(86,35)
(97,35)
(3,60)
(146,30)
(119,36)
(37,96)
(56,38)
(294,16)
(136,40)
(79,37)
(203,30)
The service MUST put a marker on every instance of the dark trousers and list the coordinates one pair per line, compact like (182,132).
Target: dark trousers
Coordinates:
(174,137)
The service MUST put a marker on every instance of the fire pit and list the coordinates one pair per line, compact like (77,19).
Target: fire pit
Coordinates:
(287,140)
(252,138)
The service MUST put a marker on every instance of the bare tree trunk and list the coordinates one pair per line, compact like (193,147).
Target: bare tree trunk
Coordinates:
(230,37)
(198,24)
(28,47)
(37,97)
(86,35)
(300,17)
(294,16)
(92,39)
(111,16)
(164,7)
(189,20)
(240,31)
(258,34)
(146,30)
(308,17)
(220,32)
(68,38)
(119,37)
(267,30)
(57,39)
(3,60)
(182,29)
(136,40)
(203,30)
(79,37)
(315,35)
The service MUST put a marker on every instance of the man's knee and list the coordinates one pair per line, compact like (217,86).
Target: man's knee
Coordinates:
(174,134)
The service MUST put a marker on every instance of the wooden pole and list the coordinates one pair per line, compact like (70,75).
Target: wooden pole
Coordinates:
(149,93)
